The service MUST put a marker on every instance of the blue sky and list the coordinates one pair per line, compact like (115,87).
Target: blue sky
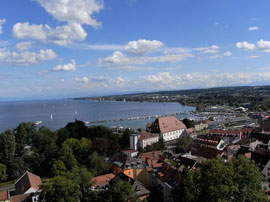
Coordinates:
(70,48)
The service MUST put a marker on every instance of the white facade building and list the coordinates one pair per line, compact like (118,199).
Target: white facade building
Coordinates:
(170,128)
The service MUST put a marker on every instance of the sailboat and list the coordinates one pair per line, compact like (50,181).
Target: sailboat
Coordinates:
(51,117)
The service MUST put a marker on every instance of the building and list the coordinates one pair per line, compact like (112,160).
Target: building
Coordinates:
(201,125)
(147,139)
(102,181)
(142,140)
(4,196)
(169,128)
(27,184)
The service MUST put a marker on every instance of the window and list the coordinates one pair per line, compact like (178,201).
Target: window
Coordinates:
(129,173)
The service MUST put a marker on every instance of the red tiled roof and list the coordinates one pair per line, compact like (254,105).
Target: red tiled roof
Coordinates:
(103,179)
(170,123)
(146,135)
(3,195)
(150,155)
(19,198)
(27,181)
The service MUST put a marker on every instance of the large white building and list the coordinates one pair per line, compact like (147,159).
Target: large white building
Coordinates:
(142,140)
(169,128)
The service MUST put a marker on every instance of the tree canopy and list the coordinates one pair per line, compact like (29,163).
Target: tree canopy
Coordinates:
(216,180)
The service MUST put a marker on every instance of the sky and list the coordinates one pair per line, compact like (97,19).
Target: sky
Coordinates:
(75,48)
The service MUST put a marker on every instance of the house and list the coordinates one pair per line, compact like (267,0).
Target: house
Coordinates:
(192,133)
(141,191)
(207,146)
(142,140)
(28,183)
(24,198)
(169,128)
(261,156)
(147,139)
(201,125)
(209,141)
(102,181)
(4,196)
(131,153)
(166,180)
(122,163)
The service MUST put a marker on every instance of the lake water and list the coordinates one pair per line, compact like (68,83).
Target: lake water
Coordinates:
(57,113)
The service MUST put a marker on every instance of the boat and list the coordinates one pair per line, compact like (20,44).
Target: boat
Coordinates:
(38,122)
(51,116)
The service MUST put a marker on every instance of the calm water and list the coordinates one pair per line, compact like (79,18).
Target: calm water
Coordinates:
(57,113)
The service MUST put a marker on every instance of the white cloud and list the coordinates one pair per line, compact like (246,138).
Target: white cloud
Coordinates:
(26,58)
(263,45)
(23,45)
(66,67)
(210,49)
(245,45)
(253,56)
(142,46)
(225,54)
(2,21)
(254,28)
(60,35)
(119,58)
(99,47)
(166,80)
(74,12)
(79,11)
(228,53)
(132,68)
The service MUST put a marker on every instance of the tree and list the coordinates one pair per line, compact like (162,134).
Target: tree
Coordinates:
(187,189)
(3,172)
(97,165)
(7,149)
(44,144)
(248,179)
(124,141)
(216,180)
(189,123)
(121,192)
(77,129)
(82,177)
(59,189)
(20,137)
(59,168)
(182,143)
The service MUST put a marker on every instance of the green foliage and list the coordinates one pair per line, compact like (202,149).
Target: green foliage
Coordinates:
(121,192)
(216,180)
(97,165)
(59,168)
(189,123)
(77,129)
(44,145)
(59,189)
(20,137)
(7,147)
(182,143)
(160,145)
(17,167)
(82,177)
(124,141)
(3,173)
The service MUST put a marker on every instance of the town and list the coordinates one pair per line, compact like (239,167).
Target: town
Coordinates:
(153,161)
